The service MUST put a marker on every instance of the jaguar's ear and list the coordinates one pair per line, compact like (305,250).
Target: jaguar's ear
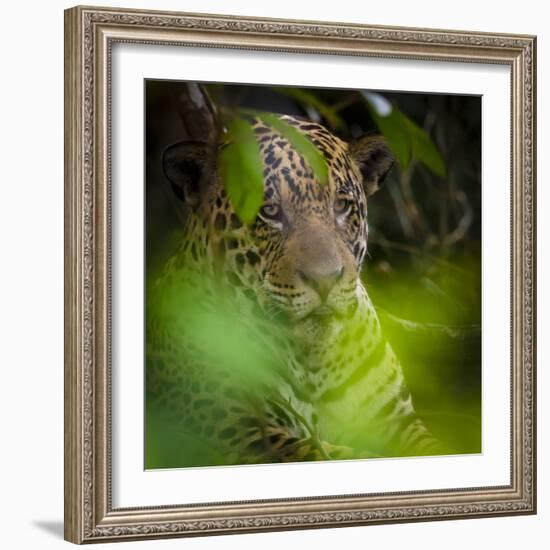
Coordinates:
(184,164)
(375,160)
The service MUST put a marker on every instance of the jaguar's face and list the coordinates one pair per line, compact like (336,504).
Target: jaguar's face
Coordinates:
(302,255)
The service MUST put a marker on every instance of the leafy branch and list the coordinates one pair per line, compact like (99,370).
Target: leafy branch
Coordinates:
(406,139)
(241,165)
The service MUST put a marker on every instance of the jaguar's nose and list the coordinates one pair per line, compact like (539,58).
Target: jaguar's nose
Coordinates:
(322,283)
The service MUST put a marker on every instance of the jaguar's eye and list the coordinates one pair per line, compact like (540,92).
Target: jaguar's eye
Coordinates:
(270,211)
(342,206)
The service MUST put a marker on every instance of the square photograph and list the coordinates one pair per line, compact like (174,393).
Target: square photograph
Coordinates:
(313,274)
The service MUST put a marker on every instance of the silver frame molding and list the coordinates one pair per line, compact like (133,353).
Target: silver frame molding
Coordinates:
(89,35)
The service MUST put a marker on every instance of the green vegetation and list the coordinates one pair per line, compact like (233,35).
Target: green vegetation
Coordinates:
(242,170)
(406,139)
(241,167)
(233,343)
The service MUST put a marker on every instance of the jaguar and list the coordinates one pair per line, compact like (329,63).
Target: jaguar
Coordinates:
(319,380)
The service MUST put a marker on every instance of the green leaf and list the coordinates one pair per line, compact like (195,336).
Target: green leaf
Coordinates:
(405,138)
(241,170)
(241,166)
(307,98)
(395,131)
(424,148)
(299,141)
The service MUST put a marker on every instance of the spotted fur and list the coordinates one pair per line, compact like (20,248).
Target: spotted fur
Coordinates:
(336,388)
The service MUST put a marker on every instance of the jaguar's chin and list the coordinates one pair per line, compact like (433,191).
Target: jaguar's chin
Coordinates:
(312,329)
(323,315)
(312,312)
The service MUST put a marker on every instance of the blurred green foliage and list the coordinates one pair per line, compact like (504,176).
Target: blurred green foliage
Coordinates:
(189,346)
(441,362)
(221,332)
(437,338)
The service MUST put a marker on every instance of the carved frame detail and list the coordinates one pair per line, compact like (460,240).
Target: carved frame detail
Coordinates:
(89,34)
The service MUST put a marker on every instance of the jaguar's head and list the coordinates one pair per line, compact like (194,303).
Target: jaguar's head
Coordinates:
(302,255)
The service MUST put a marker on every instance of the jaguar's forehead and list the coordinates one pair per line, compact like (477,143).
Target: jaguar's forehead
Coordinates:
(287,175)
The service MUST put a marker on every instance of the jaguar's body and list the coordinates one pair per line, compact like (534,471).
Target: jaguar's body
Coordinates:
(330,385)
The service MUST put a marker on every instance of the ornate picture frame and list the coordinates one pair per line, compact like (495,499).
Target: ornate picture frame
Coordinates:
(90,34)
